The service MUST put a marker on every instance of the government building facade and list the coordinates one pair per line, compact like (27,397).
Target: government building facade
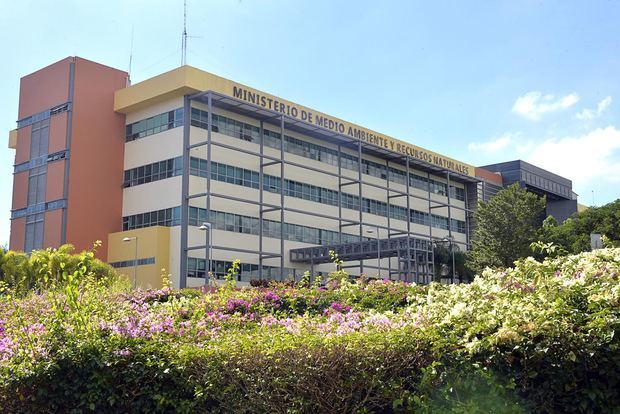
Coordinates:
(187,171)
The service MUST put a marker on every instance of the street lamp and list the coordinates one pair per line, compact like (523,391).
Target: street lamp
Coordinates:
(376,229)
(451,240)
(208,245)
(135,260)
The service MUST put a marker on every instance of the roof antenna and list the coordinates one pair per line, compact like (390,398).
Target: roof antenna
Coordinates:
(130,58)
(184,37)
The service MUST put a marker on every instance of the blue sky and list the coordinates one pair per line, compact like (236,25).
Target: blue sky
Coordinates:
(480,81)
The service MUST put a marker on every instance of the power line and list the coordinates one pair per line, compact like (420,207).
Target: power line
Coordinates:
(159,61)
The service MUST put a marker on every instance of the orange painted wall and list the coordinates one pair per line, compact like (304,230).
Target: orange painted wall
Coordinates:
(489,176)
(52,228)
(20,190)
(44,88)
(58,133)
(94,204)
(55,180)
(38,91)
(18,234)
(22,151)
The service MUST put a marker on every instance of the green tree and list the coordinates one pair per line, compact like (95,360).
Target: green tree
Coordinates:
(574,234)
(506,225)
(442,252)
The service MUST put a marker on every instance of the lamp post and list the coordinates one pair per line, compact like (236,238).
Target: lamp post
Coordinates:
(451,239)
(135,260)
(376,229)
(208,245)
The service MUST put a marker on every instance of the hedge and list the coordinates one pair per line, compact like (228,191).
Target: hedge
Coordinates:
(541,337)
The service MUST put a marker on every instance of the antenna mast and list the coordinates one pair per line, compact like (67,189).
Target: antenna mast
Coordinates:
(184,37)
(130,53)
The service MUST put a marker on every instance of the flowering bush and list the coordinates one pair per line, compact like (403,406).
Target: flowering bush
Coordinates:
(539,337)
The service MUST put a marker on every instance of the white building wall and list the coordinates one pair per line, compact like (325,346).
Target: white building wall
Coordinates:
(167,193)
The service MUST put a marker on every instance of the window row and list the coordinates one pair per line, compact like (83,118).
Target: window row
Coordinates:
(154,124)
(153,172)
(38,208)
(42,160)
(250,225)
(197,267)
(236,223)
(131,263)
(167,217)
(42,116)
(546,184)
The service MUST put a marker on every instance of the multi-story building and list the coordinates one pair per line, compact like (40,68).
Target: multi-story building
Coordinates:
(558,191)
(187,171)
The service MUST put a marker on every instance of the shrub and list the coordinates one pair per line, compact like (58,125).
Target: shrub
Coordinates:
(539,337)
(22,273)
(259,283)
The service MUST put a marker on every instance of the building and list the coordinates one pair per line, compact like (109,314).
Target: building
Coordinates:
(67,162)
(561,200)
(187,171)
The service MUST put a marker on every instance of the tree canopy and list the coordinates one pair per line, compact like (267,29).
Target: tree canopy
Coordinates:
(574,234)
(506,225)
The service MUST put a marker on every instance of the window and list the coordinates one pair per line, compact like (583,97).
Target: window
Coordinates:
(419,217)
(374,169)
(458,226)
(59,109)
(196,267)
(39,138)
(398,212)
(417,181)
(440,222)
(457,193)
(34,232)
(438,187)
(36,185)
(397,176)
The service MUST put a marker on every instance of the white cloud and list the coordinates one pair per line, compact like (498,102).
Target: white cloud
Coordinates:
(583,159)
(603,105)
(494,145)
(533,104)
(588,114)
